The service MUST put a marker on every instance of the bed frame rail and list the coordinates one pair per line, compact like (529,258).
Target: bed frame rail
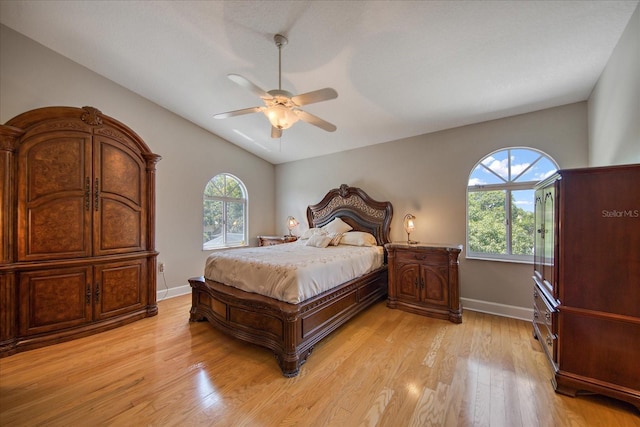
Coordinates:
(290,330)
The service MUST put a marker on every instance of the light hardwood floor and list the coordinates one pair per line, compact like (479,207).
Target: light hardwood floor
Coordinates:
(383,368)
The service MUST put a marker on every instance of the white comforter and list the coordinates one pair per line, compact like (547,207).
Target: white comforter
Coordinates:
(291,272)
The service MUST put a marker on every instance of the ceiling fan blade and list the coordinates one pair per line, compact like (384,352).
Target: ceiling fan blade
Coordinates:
(275,132)
(248,85)
(238,112)
(315,120)
(315,96)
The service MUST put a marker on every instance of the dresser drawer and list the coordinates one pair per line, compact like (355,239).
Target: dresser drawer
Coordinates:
(543,312)
(545,325)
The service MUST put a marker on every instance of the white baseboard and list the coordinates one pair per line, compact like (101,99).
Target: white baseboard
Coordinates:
(173,292)
(497,309)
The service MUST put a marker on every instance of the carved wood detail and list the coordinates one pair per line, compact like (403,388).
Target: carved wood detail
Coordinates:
(291,330)
(78,218)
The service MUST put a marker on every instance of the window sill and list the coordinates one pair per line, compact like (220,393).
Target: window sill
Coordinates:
(219,248)
(509,260)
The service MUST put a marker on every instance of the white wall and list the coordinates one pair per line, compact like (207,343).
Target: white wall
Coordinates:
(614,105)
(32,76)
(427,176)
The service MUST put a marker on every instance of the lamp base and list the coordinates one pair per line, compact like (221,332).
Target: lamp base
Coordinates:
(412,242)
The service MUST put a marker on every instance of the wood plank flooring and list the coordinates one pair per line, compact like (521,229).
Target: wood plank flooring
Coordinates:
(383,368)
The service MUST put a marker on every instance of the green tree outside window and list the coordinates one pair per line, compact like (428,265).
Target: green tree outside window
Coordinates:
(500,203)
(224,213)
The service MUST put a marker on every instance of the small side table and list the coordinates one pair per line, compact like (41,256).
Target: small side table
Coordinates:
(423,279)
(275,240)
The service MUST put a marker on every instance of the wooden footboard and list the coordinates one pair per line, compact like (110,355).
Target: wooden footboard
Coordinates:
(290,330)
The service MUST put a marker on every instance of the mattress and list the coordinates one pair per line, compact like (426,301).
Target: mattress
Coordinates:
(292,272)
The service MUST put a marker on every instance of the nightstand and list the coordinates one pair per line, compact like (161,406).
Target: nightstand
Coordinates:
(423,279)
(275,240)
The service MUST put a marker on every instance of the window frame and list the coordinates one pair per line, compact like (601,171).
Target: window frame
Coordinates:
(226,200)
(508,186)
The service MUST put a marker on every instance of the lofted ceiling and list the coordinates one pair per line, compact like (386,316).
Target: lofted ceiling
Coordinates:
(401,68)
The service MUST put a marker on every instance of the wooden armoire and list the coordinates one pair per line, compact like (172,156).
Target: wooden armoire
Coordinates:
(587,280)
(77,218)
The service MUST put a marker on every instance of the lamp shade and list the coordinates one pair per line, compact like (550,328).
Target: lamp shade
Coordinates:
(291,223)
(280,116)
(409,226)
(409,223)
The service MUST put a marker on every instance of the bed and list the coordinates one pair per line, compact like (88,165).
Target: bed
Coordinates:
(291,330)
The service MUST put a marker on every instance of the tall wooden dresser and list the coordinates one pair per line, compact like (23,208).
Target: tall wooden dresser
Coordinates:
(587,280)
(77,209)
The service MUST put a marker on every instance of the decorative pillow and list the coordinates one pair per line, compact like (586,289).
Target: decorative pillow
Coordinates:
(358,238)
(337,226)
(319,241)
(310,232)
(335,238)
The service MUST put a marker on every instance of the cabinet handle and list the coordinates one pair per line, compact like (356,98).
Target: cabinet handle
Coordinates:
(415,282)
(97,291)
(87,193)
(96,194)
(422,283)
(420,257)
(88,293)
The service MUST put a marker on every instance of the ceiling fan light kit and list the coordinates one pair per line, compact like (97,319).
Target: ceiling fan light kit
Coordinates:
(282,108)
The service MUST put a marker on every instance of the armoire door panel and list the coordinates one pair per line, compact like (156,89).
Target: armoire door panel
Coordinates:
(602,216)
(56,229)
(538,236)
(549,272)
(119,205)
(55,164)
(613,348)
(120,228)
(54,218)
(119,288)
(121,171)
(54,299)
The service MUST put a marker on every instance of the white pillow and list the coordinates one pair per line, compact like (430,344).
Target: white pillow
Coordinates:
(337,226)
(310,232)
(319,241)
(358,238)
(335,238)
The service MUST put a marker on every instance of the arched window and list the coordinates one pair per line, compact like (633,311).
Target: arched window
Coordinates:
(500,203)
(224,220)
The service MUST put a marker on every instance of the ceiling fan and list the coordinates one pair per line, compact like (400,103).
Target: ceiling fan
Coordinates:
(282,108)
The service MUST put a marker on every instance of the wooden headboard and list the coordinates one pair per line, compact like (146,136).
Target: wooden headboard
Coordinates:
(357,209)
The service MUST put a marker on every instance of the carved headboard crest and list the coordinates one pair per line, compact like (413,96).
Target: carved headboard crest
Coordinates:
(356,208)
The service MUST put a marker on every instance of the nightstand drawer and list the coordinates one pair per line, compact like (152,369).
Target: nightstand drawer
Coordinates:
(426,257)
